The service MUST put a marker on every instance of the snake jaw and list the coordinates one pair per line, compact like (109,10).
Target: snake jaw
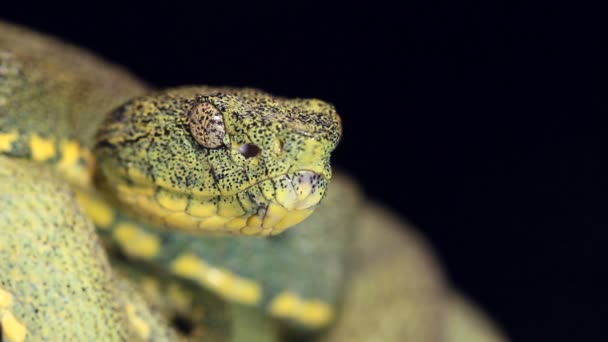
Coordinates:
(267,208)
(296,202)
(305,190)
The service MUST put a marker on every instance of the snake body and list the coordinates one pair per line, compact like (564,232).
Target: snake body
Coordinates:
(132,214)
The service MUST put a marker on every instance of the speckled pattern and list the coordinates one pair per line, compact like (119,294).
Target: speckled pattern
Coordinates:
(69,105)
(53,264)
(307,261)
(153,142)
(352,265)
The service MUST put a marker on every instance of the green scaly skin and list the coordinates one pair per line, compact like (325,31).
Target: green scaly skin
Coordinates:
(350,264)
(149,157)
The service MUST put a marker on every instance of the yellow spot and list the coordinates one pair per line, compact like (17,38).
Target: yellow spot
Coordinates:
(98,210)
(223,282)
(42,149)
(274,214)
(189,266)
(232,287)
(285,305)
(316,313)
(6,140)
(136,242)
(292,218)
(11,328)
(204,209)
(219,279)
(141,327)
(6,299)
(289,305)
(171,201)
(246,291)
(70,153)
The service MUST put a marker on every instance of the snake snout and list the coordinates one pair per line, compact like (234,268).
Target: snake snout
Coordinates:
(306,190)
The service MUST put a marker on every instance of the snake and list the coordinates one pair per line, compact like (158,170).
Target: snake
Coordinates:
(129,213)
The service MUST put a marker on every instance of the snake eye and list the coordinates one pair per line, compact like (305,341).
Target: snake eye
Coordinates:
(249,150)
(207,125)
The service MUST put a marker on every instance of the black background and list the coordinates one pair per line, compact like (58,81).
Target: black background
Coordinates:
(479,123)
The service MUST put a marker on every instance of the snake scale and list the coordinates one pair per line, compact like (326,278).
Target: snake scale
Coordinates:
(128,213)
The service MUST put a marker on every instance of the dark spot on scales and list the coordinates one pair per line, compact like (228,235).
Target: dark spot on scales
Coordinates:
(183,324)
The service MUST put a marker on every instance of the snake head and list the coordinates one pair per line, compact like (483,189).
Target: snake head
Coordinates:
(219,159)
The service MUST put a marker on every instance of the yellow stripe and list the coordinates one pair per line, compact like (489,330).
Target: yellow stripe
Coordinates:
(313,313)
(223,282)
(100,212)
(6,141)
(136,242)
(13,330)
(6,299)
(42,149)
(70,154)
(140,325)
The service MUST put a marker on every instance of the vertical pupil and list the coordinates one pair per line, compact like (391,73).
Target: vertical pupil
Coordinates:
(249,150)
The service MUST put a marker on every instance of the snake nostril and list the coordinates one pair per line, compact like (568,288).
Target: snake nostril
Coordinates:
(249,150)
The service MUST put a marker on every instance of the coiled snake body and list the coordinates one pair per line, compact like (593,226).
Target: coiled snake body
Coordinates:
(131,214)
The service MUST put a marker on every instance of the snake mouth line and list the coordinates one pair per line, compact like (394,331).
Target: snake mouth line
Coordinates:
(266,208)
(296,196)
